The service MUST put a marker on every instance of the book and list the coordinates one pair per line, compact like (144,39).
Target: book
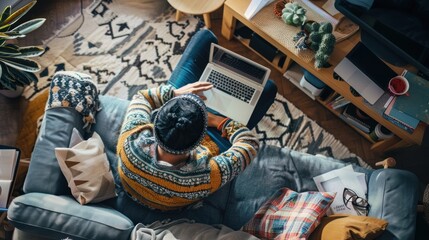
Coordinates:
(400,118)
(357,118)
(398,123)
(338,102)
(9,159)
(416,104)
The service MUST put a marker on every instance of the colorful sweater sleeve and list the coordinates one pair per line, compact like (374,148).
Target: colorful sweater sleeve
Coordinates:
(142,104)
(245,146)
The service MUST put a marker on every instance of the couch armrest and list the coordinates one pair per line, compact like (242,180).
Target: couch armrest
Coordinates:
(44,174)
(393,196)
(61,217)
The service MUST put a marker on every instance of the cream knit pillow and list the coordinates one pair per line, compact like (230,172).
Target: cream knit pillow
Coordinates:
(87,170)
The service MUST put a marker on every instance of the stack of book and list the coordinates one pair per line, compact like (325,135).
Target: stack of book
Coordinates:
(358,119)
(400,118)
(416,103)
(338,102)
(408,110)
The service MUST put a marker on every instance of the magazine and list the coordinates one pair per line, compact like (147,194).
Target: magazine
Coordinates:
(337,181)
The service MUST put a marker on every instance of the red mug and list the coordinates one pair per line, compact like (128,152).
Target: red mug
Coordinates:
(399,86)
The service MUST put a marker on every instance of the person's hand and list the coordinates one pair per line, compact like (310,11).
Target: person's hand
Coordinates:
(214,120)
(195,88)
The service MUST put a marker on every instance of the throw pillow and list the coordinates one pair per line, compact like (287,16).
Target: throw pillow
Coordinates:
(349,227)
(87,170)
(75,138)
(289,215)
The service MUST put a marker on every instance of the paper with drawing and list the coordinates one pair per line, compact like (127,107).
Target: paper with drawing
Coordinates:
(336,181)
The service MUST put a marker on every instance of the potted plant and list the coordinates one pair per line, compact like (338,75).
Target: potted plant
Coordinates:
(16,70)
(321,41)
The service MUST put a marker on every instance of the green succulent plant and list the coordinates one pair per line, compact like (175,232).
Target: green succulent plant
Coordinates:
(15,67)
(294,14)
(322,41)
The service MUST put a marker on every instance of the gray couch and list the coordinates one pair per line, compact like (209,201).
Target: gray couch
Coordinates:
(47,208)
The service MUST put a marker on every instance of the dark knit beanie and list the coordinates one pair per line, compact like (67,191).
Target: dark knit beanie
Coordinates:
(180,124)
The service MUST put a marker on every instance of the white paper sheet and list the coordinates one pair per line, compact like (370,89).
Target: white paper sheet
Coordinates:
(8,158)
(329,7)
(255,6)
(4,192)
(336,181)
(321,12)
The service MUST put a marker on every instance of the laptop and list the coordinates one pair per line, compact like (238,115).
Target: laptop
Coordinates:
(365,72)
(238,83)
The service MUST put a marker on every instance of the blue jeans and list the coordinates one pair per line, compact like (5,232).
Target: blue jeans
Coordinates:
(190,68)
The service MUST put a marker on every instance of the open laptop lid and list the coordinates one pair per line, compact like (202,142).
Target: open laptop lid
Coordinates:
(251,70)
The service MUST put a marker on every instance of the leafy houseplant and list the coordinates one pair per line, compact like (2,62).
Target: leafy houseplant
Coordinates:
(16,70)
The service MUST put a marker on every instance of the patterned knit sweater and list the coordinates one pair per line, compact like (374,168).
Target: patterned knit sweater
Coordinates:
(159,186)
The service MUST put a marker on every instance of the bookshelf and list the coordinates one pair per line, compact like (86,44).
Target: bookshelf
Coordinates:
(266,25)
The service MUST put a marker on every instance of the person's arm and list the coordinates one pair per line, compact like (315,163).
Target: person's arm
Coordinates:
(141,106)
(245,146)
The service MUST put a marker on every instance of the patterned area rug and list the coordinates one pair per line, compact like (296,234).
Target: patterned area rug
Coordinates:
(130,45)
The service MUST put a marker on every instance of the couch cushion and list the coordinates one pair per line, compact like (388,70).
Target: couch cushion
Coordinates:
(44,174)
(108,125)
(208,211)
(402,186)
(61,217)
(273,169)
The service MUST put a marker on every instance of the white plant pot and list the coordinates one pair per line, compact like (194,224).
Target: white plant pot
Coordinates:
(12,93)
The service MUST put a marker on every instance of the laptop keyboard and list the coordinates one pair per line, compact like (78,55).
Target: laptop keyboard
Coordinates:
(243,66)
(231,86)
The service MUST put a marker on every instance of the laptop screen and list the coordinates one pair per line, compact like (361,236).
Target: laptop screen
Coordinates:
(239,65)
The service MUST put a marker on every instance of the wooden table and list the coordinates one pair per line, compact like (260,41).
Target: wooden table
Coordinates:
(196,7)
(277,33)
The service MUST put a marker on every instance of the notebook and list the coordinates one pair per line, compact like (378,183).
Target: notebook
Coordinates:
(238,83)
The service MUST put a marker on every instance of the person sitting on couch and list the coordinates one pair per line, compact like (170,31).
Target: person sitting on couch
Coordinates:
(170,162)
(205,166)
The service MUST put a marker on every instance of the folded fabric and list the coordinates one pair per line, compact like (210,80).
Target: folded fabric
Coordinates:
(289,215)
(349,227)
(74,90)
(87,170)
(186,229)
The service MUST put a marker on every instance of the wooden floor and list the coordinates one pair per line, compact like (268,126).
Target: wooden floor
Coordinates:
(56,12)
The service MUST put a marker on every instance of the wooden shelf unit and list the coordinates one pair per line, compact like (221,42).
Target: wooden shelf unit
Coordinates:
(234,13)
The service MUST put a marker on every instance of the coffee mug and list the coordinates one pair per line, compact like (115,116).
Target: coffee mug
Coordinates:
(399,85)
